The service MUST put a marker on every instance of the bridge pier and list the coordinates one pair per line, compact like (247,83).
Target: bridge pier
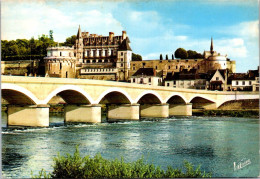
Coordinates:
(154,110)
(29,115)
(180,109)
(83,113)
(123,112)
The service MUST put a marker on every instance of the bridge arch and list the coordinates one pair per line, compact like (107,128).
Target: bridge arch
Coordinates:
(149,97)
(15,94)
(114,96)
(71,94)
(199,102)
(176,99)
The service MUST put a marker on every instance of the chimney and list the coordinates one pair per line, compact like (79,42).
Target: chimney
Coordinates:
(154,72)
(111,35)
(124,34)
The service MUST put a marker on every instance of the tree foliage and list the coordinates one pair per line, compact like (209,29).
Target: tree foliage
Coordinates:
(181,53)
(21,49)
(136,57)
(190,54)
(194,54)
(161,57)
(166,57)
(85,167)
(70,41)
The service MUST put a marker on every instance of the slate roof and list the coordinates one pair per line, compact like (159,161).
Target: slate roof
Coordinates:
(125,45)
(211,73)
(147,72)
(241,76)
(185,75)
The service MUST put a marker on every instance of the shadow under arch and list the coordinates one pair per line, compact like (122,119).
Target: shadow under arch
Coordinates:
(114,97)
(202,103)
(73,97)
(16,97)
(70,94)
(176,99)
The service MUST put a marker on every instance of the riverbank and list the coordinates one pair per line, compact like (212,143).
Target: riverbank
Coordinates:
(254,113)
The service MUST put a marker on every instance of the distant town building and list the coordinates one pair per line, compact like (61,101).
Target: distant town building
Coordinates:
(186,79)
(211,61)
(147,76)
(245,81)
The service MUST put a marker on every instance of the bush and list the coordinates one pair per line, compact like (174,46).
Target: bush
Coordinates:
(98,167)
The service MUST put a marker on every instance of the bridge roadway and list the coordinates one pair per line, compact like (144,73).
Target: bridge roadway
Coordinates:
(28,99)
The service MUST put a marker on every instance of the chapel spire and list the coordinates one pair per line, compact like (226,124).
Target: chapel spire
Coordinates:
(211,46)
(79,35)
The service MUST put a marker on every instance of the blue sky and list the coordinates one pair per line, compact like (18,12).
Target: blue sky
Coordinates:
(154,27)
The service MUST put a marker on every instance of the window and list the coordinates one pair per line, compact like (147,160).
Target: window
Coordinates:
(217,78)
(121,64)
(168,84)
(169,67)
(250,82)
(122,59)
(236,82)
(174,82)
(60,53)
(189,66)
(60,66)
(176,67)
(133,80)
(243,82)
(133,68)
(122,53)
(150,80)
(156,67)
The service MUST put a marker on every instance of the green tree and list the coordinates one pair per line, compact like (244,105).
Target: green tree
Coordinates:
(191,54)
(181,53)
(166,57)
(172,56)
(136,57)
(70,41)
(161,58)
(198,55)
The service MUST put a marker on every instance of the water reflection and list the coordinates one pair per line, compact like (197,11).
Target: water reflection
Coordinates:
(215,143)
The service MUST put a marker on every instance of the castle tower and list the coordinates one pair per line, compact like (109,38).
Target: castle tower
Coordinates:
(79,45)
(124,57)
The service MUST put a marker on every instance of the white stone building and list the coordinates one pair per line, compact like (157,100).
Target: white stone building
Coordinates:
(147,76)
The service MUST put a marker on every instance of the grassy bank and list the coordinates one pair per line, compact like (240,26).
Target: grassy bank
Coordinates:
(230,113)
(75,166)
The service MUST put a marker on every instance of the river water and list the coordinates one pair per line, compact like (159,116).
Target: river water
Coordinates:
(214,142)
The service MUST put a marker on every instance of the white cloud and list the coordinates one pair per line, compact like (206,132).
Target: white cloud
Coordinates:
(248,30)
(33,19)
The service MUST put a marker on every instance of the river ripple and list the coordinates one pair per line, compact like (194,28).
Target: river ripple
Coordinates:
(214,142)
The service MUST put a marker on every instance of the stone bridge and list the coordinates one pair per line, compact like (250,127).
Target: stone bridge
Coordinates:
(28,99)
